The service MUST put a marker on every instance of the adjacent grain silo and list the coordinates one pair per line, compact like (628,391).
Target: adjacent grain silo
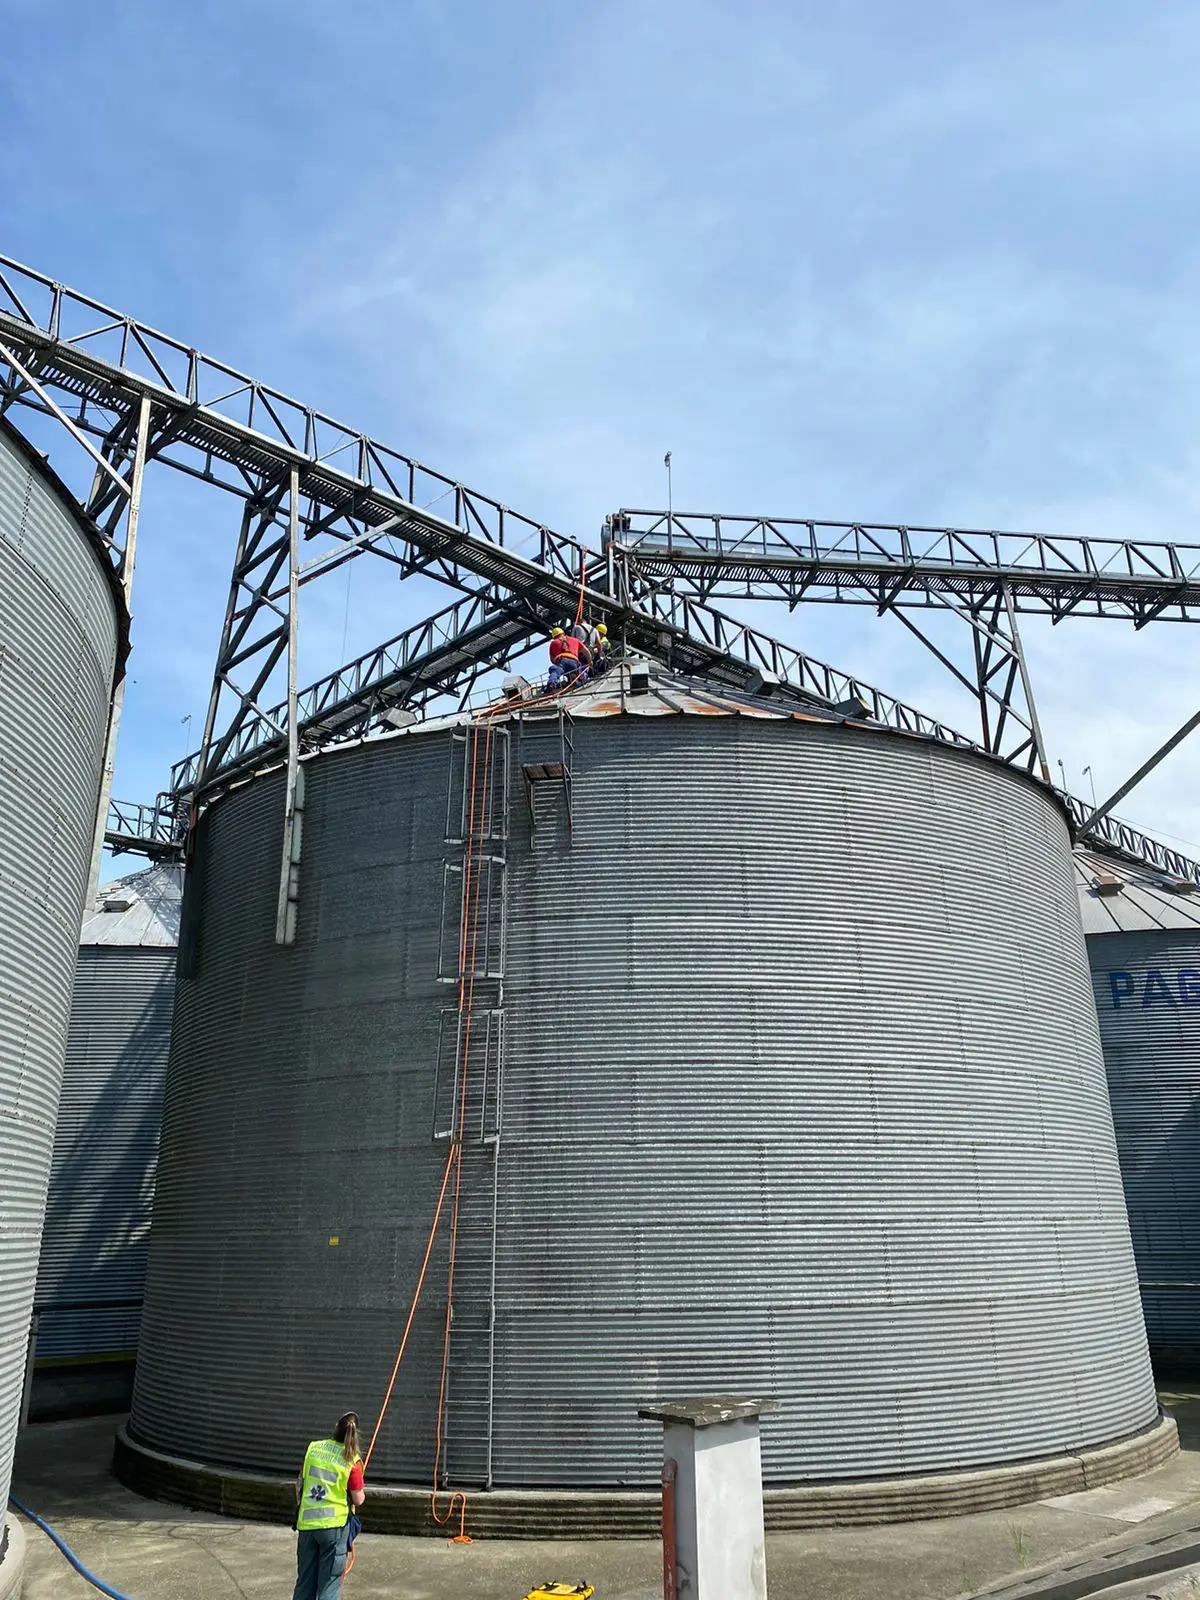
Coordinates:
(93,1260)
(62,636)
(1143,938)
(786,1081)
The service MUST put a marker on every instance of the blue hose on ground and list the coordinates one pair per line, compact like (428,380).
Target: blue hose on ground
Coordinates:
(113,1594)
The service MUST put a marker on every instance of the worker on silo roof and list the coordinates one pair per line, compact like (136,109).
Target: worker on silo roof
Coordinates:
(330,1482)
(588,636)
(569,658)
(600,653)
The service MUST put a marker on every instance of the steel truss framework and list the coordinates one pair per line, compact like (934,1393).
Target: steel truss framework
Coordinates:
(894,566)
(307,480)
(130,396)
(439,661)
(148,830)
(1109,835)
(984,578)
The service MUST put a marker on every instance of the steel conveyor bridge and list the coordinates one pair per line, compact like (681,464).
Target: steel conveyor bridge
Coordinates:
(889,566)
(315,494)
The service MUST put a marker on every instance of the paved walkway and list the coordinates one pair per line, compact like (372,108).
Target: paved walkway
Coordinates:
(155,1552)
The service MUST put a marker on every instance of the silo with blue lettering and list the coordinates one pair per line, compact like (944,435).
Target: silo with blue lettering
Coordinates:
(1143,938)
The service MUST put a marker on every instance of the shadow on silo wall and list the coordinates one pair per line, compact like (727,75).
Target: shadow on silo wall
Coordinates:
(92,1268)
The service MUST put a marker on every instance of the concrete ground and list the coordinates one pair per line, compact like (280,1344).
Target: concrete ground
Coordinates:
(150,1551)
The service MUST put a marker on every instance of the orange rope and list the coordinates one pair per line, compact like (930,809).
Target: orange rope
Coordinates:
(412,1310)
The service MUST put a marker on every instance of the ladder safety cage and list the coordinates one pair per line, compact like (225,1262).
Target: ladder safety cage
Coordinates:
(477,800)
(482,1036)
(480,954)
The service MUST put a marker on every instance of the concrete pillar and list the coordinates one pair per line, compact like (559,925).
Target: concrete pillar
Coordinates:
(719,1549)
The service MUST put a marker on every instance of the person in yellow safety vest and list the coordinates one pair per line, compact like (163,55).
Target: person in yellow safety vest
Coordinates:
(330,1482)
(600,653)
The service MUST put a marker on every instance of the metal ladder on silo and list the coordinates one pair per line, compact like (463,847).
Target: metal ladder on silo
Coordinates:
(546,756)
(468,1077)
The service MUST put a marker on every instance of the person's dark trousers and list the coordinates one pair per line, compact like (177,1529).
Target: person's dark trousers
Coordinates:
(320,1562)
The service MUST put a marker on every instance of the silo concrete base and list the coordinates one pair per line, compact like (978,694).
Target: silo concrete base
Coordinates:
(609,1514)
(12,1566)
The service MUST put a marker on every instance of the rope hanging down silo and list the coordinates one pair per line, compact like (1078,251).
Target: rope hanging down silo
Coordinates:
(479,793)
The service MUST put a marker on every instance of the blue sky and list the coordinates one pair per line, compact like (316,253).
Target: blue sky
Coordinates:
(932,263)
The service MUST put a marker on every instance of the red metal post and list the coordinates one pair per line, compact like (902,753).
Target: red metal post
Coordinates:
(669,1472)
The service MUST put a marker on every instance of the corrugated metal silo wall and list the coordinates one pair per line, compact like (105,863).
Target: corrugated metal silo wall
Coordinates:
(298,1111)
(1147,988)
(92,1268)
(58,641)
(803,1096)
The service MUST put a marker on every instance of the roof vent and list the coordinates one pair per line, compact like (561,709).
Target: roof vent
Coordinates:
(1179,885)
(1107,883)
(639,678)
(851,710)
(399,717)
(516,687)
(764,681)
(118,902)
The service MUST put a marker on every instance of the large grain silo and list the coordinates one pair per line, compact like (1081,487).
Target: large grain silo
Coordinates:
(62,632)
(1143,939)
(785,1082)
(92,1267)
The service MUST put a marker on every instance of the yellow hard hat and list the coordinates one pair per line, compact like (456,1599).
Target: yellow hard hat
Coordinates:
(556,633)
(602,630)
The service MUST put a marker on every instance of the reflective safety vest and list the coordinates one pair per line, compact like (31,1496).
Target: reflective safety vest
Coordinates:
(324,1502)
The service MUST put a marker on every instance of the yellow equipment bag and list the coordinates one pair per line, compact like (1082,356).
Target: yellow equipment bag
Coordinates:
(562,1591)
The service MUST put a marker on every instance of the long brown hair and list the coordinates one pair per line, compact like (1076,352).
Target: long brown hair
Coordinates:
(346,1434)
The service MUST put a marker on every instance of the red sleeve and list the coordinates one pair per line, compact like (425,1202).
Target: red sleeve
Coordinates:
(355,1481)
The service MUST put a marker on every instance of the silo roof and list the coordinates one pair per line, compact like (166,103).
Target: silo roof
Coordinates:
(669,695)
(664,694)
(641,687)
(142,910)
(1117,897)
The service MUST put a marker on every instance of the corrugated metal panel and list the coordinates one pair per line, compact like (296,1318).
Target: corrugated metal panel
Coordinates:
(93,1259)
(58,644)
(803,1095)
(1147,988)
